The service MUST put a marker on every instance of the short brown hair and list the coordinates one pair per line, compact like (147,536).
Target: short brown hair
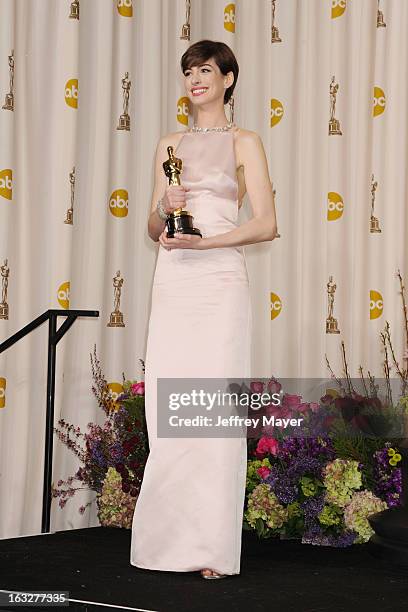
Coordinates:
(203,50)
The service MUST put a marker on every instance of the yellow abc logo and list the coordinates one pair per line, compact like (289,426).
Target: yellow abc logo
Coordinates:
(119,203)
(183,110)
(125,8)
(338,8)
(379,101)
(335,206)
(276,305)
(276,111)
(115,389)
(229,17)
(6,183)
(63,295)
(71,93)
(376,304)
(2,392)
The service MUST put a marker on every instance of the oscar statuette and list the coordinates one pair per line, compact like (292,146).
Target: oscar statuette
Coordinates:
(179,220)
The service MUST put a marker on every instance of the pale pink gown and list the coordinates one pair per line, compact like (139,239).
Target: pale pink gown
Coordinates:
(189,512)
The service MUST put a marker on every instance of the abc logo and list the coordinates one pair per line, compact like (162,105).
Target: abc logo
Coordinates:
(115,389)
(229,17)
(276,111)
(183,109)
(125,8)
(63,295)
(2,392)
(338,8)
(379,101)
(6,184)
(376,304)
(335,206)
(119,203)
(71,93)
(276,305)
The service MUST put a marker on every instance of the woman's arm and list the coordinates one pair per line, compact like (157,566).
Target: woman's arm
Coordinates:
(262,226)
(155,224)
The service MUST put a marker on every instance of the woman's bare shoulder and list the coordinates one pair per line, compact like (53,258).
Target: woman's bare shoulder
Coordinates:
(245,136)
(172,138)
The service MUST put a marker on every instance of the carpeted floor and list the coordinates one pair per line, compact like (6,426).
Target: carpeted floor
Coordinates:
(93,565)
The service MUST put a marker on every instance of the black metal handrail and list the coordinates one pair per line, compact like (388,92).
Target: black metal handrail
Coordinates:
(54,336)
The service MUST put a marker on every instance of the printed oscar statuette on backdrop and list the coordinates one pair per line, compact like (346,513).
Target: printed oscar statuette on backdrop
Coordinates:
(124,119)
(116,317)
(185,29)
(331,322)
(334,124)
(74,12)
(275,38)
(5,273)
(179,220)
(9,100)
(380,17)
(374,222)
(69,219)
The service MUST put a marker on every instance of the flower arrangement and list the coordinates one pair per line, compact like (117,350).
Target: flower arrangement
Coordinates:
(113,455)
(304,491)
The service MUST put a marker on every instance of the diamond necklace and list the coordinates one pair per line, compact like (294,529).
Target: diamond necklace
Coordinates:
(222,128)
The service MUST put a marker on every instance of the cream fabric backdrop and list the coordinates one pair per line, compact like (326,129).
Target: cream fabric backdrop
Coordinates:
(68,98)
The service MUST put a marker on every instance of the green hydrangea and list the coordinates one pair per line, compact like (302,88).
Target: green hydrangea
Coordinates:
(361,506)
(115,508)
(309,486)
(341,478)
(294,510)
(263,504)
(330,515)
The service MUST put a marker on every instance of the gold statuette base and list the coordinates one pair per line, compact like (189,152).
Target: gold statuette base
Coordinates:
(375,226)
(4,311)
(331,326)
(275,35)
(116,319)
(9,102)
(334,128)
(181,221)
(185,32)
(124,122)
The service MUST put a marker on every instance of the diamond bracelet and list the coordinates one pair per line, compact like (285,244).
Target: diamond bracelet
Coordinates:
(160,210)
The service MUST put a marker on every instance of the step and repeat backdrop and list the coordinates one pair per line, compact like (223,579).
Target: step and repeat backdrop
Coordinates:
(87,88)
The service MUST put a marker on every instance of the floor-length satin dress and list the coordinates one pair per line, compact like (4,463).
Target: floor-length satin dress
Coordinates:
(189,513)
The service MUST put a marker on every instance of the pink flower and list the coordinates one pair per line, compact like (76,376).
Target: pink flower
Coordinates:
(274,386)
(257,386)
(278,411)
(138,388)
(263,471)
(293,402)
(266,446)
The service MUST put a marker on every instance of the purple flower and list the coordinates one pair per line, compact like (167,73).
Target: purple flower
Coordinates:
(387,478)
(284,476)
(319,538)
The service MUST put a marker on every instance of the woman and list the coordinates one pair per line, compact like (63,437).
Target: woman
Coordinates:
(188,516)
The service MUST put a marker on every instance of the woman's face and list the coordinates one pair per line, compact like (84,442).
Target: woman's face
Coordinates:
(206,83)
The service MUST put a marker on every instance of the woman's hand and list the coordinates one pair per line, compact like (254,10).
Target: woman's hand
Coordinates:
(174,197)
(181,241)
